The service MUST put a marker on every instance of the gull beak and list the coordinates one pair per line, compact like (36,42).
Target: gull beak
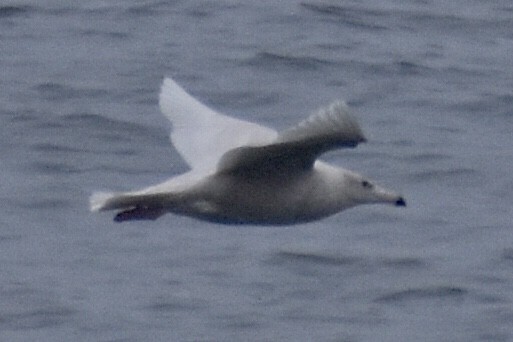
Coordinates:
(383,195)
(400,202)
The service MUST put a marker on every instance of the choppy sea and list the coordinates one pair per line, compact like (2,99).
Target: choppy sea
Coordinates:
(431,83)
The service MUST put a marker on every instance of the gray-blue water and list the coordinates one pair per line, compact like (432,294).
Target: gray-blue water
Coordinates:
(431,83)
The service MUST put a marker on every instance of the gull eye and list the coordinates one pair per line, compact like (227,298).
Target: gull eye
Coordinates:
(366,184)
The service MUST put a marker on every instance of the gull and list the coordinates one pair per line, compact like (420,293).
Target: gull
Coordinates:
(245,173)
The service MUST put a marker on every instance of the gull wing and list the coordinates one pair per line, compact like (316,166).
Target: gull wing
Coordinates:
(297,148)
(200,134)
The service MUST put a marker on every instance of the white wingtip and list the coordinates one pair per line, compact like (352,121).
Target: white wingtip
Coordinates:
(168,92)
(98,200)
(177,105)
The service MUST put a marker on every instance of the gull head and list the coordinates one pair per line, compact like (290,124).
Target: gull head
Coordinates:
(364,191)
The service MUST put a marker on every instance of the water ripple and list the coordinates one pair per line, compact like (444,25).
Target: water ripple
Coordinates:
(356,17)
(312,258)
(361,262)
(458,175)
(37,319)
(33,309)
(53,91)
(166,306)
(14,11)
(435,292)
(276,60)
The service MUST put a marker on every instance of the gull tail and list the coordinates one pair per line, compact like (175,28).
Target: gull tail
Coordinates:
(99,201)
(131,206)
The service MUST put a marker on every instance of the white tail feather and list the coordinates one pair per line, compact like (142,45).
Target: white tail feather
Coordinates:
(99,200)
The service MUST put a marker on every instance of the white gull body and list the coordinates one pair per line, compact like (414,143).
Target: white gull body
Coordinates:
(244,173)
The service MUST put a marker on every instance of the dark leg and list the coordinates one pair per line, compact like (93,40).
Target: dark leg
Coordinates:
(139,213)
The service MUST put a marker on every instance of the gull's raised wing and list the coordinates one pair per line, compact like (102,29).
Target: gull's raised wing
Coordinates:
(200,134)
(297,148)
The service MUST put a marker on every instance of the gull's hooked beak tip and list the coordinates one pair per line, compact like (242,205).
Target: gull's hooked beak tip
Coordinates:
(400,202)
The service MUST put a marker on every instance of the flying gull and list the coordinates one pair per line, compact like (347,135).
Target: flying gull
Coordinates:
(245,173)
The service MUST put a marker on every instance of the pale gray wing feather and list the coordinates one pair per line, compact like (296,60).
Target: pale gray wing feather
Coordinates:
(298,147)
(331,127)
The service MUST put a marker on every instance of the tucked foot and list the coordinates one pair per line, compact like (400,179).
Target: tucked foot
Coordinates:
(139,213)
